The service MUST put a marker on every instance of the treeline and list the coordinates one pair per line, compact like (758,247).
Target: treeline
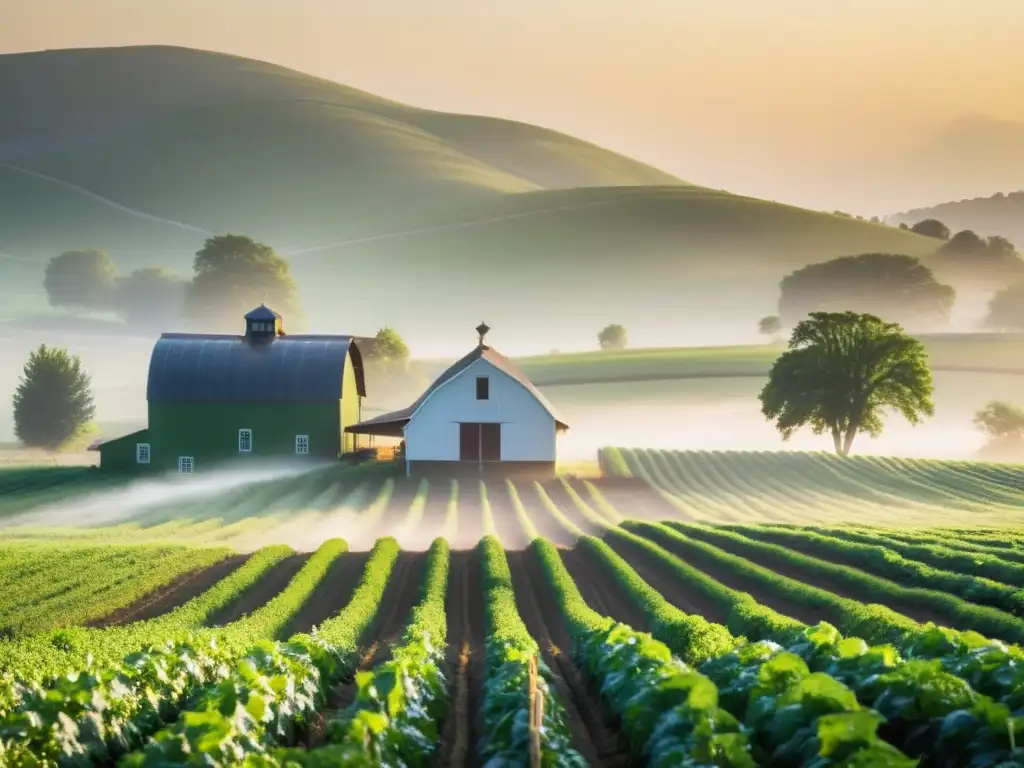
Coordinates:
(918,293)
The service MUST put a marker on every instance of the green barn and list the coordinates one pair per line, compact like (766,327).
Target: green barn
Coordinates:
(219,398)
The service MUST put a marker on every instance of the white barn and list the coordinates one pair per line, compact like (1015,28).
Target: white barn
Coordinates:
(481,416)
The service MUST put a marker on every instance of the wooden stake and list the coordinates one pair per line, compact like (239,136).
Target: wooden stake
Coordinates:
(536,714)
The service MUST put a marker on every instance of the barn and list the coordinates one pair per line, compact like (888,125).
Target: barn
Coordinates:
(482,416)
(214,398)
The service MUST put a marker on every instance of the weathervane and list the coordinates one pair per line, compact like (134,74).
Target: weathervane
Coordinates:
(482,330)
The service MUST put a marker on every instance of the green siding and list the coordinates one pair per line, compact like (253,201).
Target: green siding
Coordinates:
(209,432)
(119,454)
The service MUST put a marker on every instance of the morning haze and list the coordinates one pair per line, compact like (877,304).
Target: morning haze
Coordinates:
(798,101)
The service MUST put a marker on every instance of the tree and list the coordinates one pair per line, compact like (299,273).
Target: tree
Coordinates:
(769,326)
(388,347)
(984,263)
(1006,309)
(1003,426)
(840,371)
(233,274)
(53,402)
(883,284)
(80,280)
(151,298)
(932,228)
(612,337)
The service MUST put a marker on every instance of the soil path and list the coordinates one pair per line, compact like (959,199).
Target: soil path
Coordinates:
(593,733)
(862,593)
(547,525)
(173,595)
(686,597)
(465,662)
(561,498)
(631,497)
(809,614)
(260,593)
(600,590)
(506,524)
(331,594)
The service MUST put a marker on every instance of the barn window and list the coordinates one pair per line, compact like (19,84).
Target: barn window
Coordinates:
(142,453)
(302,444)
(483,388)
(245,441)
(185,465)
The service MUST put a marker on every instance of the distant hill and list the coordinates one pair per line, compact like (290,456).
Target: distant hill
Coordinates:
(1000,214)
(391,214)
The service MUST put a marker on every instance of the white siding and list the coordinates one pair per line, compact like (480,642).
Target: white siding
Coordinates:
(527,429)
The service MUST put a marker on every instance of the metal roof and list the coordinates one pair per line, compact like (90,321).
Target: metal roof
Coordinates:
(262,312)
(481,352)
(200,368)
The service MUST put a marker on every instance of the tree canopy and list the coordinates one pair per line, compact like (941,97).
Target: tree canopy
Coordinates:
(839,374)
(988,263)
(770,325)
(613,337)
(233,274)
(53,402)
(883,284)
(1003,426)
(1006,309)
(80,280)
(932,228)
(389,347)
(152,298)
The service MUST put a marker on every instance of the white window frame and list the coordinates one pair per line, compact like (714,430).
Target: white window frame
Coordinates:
(247,433)
(301,445)
(186,461)
(143,453)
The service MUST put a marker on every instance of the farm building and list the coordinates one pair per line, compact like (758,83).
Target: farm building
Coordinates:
(481,416)
(264,394)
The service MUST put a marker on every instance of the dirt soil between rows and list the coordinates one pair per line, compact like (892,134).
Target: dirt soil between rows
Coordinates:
(631,497)
(465,662)
(808,614)
(594,734)
(171,596)
(862,593)
(262,592)
(686,597)
(331,595)
(600,590)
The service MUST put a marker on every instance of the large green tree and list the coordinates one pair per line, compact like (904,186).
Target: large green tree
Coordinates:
(977,262)
(840,373)
(80,280)
(932,228)
(53,402)
(882,284)
(389,347)
(233,274)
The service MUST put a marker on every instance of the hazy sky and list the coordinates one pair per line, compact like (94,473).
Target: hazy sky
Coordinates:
(766,97)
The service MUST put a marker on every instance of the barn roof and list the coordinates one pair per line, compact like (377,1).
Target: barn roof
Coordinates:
(201,368)
(262,312)
(492,356)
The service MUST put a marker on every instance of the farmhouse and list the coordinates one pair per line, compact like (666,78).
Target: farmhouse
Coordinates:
(482,416)
(213,398)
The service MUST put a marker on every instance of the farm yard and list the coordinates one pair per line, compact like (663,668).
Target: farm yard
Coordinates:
(764,607)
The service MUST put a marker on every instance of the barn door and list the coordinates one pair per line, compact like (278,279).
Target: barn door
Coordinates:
(469,442)
(490,442)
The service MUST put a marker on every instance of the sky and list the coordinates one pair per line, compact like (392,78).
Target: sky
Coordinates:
(801,101)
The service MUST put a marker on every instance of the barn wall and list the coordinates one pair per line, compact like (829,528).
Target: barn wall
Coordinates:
(118,455)
(349,404)
(209,432)
(527,429)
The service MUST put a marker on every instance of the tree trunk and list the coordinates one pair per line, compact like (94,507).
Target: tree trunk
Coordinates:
(837,441)
(848,440)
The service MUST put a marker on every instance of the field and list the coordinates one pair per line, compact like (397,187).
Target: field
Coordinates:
(681,609)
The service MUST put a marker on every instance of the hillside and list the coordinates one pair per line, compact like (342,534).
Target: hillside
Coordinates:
(1000,214)
(380,204)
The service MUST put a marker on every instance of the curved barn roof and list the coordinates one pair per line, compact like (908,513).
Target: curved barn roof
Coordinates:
(196,368)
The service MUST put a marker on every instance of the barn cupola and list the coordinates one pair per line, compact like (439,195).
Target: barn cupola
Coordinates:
(262,324)
(481,331)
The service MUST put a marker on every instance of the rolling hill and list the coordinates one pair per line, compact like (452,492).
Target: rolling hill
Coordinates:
(390,213)
(999,214)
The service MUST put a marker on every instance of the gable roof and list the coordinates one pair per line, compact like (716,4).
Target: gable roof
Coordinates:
(481,352)
(208,368)
(262,312)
